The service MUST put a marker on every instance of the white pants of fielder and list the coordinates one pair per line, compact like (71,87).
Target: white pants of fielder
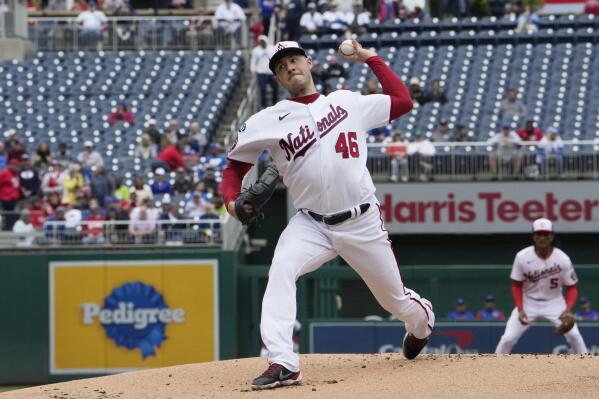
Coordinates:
(535,310)
(304,246)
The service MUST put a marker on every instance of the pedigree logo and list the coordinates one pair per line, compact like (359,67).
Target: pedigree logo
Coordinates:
(134,316)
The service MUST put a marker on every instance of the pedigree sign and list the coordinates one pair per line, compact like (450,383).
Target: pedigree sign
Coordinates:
(447,208)
(112,316)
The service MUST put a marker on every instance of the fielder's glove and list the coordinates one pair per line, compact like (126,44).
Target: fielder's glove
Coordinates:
(568,322)
(257,195)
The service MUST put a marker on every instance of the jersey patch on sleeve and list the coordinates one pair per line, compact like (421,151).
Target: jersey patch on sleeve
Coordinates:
(242,127)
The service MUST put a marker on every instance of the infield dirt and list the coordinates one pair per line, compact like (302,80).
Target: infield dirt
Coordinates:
(351,376)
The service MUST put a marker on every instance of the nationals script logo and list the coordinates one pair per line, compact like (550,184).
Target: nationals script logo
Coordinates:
(539,274)
(296,145)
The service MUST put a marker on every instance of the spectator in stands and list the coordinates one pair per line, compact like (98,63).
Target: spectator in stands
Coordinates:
(591,7)
(490,312)
(311,21)
(182,183)
(10,192)
(102,186)
(91,22)
(199,136)
(334,20)
(90,160)
(264,76)
(142,222)
(218,204)
(460,312)
(210,180)
(211,231)
(52,203)
(171,157)
(359,24)
(397,151)
(72,183)
(121,191)
(112,5)
(419,13)
(511,107)
(528,21)
(37,214)
(229,17)
(294,10)
(146,151)
(170,135)
(420,151)
(461,134)
(372,87)
(334,69)
(64,155)
(43,156)
(29,179)
(161,185)
(442,132)
(14,146)
(3,156)
(121,114)
(54,227)
(416,90)
(585,312)
(507,150)
(93,228)
(435,94)
(73,217)
(172,231)
(24,230)
(266,10)
(153,132)
(529,132)
(551,150)
(216,157)
(142,190)
(196,207)
(459,8)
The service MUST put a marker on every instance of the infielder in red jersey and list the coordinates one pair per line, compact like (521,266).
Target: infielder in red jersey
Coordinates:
(538,275)
(319,146)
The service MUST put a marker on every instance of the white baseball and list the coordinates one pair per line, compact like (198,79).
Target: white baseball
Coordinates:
(347,47)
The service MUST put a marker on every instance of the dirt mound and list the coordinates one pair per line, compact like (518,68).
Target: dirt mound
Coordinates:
(351,376)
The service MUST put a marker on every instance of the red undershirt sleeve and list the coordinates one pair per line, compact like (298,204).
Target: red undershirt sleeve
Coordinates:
(571,294)
(401,101)
(517,293)
(232,178)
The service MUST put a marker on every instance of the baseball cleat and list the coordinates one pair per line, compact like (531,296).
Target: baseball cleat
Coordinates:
(412,345)
(276,376)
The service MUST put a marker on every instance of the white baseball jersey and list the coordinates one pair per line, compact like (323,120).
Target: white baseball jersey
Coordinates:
(319,148)
(543,278)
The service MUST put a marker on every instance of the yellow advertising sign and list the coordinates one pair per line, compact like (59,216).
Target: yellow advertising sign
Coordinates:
(116,316)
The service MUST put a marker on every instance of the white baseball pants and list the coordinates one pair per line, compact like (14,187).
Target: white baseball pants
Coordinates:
(535,310)
(304,246)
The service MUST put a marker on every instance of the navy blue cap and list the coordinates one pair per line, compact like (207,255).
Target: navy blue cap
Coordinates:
(460,301)
(490,298)
(583,300)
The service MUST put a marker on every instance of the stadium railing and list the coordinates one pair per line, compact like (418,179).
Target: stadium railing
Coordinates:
(467,161)
(202,232)
(138,33)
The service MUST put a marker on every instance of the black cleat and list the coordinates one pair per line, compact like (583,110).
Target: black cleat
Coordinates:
(412,346)
(276,376)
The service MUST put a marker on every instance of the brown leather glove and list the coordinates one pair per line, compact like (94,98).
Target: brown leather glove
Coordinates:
(568,322)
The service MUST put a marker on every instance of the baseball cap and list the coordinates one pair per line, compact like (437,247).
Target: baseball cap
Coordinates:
(505,125)
(460,301)
(542,225)
(263,38)
(152,122)
(583,299)
(88,143)
(443,121)
(282,49)
(490,298)
(551,129)
(311,5)
(160,171)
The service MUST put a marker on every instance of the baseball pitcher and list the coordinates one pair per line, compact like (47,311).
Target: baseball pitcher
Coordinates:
(318,144)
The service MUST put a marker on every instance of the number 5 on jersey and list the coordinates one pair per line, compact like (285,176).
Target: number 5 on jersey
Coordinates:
(348,147)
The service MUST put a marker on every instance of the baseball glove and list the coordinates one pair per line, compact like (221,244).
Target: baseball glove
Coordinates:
(257,195)
(568,322)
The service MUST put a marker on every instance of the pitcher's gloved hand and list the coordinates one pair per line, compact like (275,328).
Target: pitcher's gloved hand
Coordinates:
(256,196)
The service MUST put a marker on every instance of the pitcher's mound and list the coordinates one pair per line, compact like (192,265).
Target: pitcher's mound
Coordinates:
(351,376)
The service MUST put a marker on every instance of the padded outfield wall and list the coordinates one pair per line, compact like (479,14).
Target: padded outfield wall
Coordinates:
(78,313)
